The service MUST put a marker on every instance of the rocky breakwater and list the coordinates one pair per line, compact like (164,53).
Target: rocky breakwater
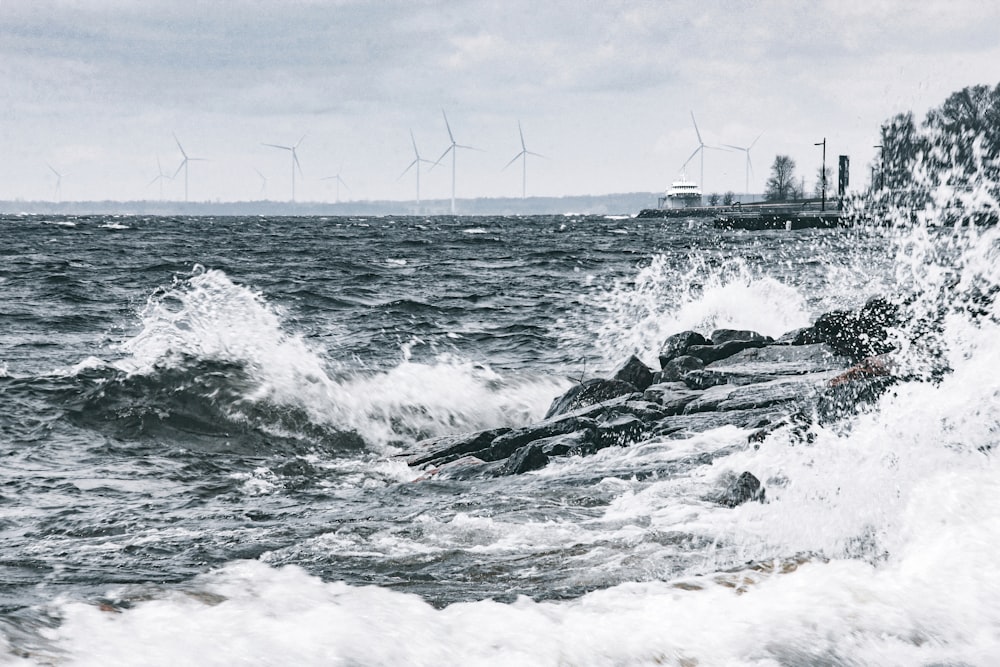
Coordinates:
(731,377)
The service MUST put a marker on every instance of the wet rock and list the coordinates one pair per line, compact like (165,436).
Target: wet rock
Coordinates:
(620,431)
(762,395)
(855,334)
(712,353)
(525,459)
(701,380)
(506,444)
(578,443)
(438,451)
(634,372)
(720,336)
(676,345)
(678,367)
(672,397)
(587,393)
(755,365)
(682,426)
(743,489)
(845,398)
(790,337)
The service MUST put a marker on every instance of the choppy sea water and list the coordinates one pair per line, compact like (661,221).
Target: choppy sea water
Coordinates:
(198,419)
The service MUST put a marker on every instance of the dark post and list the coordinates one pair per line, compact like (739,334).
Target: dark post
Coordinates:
(822,205)
(843,177)
(881,170)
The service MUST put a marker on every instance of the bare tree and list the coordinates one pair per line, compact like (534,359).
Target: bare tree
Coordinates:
(781,185)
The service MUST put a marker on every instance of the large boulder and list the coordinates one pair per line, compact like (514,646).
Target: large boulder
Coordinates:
(445,449)
(634,372)
(589,392)
(712,353)
(675,369)
(855,334)
(743,489)
(720,336)
(527,458)
(676,345)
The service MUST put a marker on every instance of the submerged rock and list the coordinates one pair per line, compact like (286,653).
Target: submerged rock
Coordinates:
(444,449)
(743,489)
(525,459)
(587,393)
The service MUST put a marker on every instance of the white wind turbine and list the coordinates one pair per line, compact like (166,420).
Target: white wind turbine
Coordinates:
(524,162)
(295,160)
(160,176)
(416,163)
(453,148)
(749,166)
(336,177)
(701,149)
(263,184)
(184,165)
(59,178)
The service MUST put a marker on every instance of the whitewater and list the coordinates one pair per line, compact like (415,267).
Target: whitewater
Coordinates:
(200,423)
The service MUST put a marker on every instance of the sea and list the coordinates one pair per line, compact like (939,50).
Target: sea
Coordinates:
(201,422)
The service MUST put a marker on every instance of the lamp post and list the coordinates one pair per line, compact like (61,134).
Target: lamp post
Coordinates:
(822,206)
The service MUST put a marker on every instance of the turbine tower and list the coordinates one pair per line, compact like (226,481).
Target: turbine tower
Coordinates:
(453,149)
(160,176)
(701,149)
(184,165)
(58,180)
(295,160)
(339,182)
(416,163)
(524,162)
(749,166)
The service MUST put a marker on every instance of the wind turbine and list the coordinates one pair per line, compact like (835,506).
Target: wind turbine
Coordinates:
(701,149)
(453,148)
(416,163)
(749,167)
(160,176)
(295,160)
(339,182)
(524,162)
(184,165)
(58,179)
(263,184)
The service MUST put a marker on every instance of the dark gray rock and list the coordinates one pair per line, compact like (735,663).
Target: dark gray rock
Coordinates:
(790,337)
(447,448)
(848,398)
(684,426)
(579,443)
(506,444)
(720,336)
(762,395)
(701,379)
(589,392)
(634,372)
(620,431)
(525,459)
(858,334)
(678,367)
(676,345)
(743,489)
(672,397)
(713,353)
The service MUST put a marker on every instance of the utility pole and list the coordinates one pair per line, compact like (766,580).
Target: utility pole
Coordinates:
(822,206)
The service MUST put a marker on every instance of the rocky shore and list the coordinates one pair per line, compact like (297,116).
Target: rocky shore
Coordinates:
(731,377)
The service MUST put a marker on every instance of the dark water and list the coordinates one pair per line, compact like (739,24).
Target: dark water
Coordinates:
(182,394)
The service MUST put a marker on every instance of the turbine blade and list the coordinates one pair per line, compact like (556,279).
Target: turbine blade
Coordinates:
(739,148)
(179,167)
(447,150)
(521,132)
(178,142)
(295,159)
(343,183)
(52,169)
(413,139)
(450,135)
(513,160)
(408,168)
(691,158)
(535,154)
(154,180)
(284,148)
(755,141)
(471,148)
(300,140)
(696,129)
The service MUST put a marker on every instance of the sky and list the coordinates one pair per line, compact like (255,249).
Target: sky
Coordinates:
(96,90)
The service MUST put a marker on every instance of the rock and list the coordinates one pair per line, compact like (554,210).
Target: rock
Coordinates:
(743,489)
(672,397)
(720,336)
(713,353)
(506,444)
(856,335)
(579,443)
(790,337)
(451,447)
(842,398)
(682,426)
(587,393)
(678,367)
(701,380)
(676,345)
(620,431)
(634,372)
(527,458)
(754,365)
(762,395)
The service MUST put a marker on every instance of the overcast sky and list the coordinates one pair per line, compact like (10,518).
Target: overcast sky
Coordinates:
(604,89)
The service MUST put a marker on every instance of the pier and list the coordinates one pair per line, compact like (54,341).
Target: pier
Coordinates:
(807,214)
